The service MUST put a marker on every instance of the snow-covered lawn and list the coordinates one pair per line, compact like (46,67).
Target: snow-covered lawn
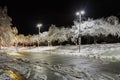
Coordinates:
(42,48)
(105,51)
(27,49)
(111,51)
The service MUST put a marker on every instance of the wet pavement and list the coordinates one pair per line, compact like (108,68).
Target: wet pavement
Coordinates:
(47,66)
(55,66)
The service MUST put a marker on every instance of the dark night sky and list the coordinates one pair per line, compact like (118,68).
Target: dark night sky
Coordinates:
(27,13)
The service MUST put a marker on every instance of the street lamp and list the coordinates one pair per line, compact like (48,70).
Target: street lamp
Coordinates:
(39,26)
(79,14)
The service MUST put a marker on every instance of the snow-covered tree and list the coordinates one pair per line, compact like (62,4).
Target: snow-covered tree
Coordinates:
(44,39)
(34,39)
(58,34)
(113,20)
(6,33)
(96,28)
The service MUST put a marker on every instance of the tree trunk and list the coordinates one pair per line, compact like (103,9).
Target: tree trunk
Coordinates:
(95,39)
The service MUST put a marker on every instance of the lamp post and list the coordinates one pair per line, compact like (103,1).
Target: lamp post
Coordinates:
(39,26)
(79,14)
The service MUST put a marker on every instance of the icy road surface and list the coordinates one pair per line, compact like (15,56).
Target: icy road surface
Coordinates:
(51,64)
(45,66)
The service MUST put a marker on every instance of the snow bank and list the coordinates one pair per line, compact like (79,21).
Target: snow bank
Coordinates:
(27,49)
(111,51)
(103,51)
(38,49)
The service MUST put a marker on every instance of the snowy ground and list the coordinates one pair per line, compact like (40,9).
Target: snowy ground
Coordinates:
(15,66)
(103,51)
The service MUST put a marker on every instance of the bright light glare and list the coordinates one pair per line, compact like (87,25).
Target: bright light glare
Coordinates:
(12,74)
(39,25)
(77,13)
(14,54)
(82,12)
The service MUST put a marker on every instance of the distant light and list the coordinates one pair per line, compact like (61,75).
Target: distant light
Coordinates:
(82,12)
(39,25)
(77,13)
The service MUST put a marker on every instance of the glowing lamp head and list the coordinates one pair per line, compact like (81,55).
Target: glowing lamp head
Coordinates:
(77,13)
(39,25)
(82,12)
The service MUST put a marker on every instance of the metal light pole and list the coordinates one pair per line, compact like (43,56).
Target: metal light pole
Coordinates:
(39,26)
(79,14)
